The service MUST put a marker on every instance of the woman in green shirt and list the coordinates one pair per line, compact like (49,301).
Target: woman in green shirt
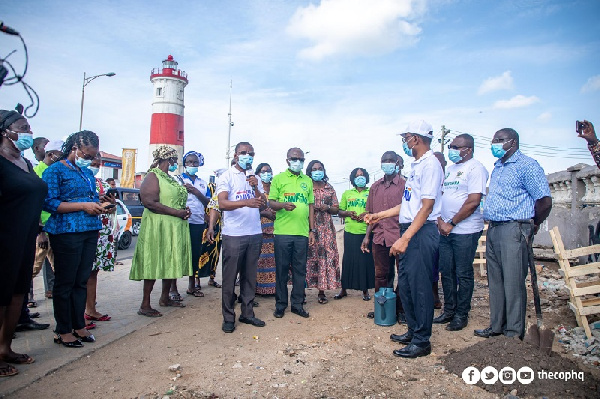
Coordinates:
(358,270)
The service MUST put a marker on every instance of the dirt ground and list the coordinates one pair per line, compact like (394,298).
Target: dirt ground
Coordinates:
(336,353)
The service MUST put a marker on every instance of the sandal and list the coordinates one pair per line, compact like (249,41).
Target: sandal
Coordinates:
(149,313)
(197,293)
(339,296)
(31,304)
(323,300)
(366,297)
(17,358)
(175,296)
(172,303)
(90,326)
(104,317)
(48,294)
(8,371)
(214,283)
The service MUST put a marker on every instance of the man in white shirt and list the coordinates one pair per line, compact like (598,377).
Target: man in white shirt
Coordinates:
(460,226)
(240,199)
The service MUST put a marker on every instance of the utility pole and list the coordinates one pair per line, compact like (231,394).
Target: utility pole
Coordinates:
(443,140)
(228,153)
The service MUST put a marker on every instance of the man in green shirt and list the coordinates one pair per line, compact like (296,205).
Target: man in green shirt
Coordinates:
(292,197)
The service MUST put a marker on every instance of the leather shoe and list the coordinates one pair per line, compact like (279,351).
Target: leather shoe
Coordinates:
(279,313)
(443,318)
(31,326)
(34,315)
(405,338)
(458,323)
(486,333)
(371,315)
(301,313)
(252,320)
(228,326)
(401,318)
(412,351)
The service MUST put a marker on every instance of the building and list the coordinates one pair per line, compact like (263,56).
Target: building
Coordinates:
(110,166)
(166,127)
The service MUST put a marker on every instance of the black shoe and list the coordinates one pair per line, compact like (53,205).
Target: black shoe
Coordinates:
(228,326)
(486,333)
(85,338)
(371,315)
(252,320)
(412,351)
(34,315)
(405,338)
(301,313)
(279,313)
(401,318)
(443,318)
(31,326)
(458,323)
(75,344)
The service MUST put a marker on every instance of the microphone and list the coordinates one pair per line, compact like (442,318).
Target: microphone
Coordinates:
(7,30)
(249,172)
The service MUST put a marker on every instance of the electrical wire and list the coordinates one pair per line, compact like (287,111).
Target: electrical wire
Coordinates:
(13,80)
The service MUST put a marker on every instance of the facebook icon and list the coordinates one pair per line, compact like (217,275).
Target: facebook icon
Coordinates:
(471,375)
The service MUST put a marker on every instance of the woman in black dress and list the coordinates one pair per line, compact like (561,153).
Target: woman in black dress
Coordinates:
(22,194)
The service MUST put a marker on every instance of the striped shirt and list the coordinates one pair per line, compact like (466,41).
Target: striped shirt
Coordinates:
(515,186)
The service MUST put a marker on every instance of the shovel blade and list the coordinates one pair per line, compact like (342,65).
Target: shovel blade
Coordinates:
(532,336)
(546,340)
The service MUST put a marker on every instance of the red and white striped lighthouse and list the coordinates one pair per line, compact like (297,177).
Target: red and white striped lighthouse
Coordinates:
(166,127)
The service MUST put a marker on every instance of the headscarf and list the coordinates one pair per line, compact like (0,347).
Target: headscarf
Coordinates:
(162,153)
(7,118)
(200,157)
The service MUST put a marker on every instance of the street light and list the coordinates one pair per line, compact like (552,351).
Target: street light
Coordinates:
(85,83)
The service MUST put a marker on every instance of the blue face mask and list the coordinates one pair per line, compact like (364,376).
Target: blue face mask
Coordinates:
(388,168)
(360,181)
(454,155)
(317,175)
(397,168)
(498,151)
(244,160)
(407,150)
(24,141)
(173,168)
(82,163)
(266,177)
(296,166)
(191,170)
(94,170)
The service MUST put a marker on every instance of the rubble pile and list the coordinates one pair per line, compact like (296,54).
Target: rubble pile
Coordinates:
(574,340)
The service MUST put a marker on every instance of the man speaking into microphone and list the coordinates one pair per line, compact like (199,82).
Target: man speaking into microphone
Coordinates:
(240,199)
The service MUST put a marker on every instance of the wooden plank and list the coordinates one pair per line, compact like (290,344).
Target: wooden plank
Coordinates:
(587,284)
(577,292)
(590,268)
(586,311)
(583,251)
(591,302)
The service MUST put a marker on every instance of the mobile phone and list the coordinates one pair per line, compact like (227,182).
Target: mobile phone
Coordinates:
(113,191)
(579,126)
(111,206)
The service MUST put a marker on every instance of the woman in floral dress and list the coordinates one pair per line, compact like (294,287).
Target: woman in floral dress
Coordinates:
(105,251)
(322,266)
(265,272)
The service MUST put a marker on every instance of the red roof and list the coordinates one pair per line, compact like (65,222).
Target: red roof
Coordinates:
(109,156)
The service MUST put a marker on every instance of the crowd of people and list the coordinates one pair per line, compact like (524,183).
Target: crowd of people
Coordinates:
(272,230)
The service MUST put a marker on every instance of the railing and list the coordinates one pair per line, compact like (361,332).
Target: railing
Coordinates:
(164,71)
(577,187)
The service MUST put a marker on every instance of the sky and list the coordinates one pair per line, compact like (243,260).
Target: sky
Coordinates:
(337,78)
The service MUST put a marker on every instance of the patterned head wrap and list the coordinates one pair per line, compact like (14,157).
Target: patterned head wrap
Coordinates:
(162,153)
(200,157)
(7,118)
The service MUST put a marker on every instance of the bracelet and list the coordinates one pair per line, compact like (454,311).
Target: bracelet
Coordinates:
(452,223)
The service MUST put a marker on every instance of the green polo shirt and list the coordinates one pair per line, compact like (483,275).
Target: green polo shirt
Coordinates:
(288,187)
(39,170)
(352,200)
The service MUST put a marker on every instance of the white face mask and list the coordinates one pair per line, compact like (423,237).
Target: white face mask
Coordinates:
(296,166)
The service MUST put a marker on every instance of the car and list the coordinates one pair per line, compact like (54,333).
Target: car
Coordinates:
(130,197)
(125,235)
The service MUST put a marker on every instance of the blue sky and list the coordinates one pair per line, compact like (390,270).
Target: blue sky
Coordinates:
(338,78)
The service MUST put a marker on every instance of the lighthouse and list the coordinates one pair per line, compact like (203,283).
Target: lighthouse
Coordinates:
(166,127)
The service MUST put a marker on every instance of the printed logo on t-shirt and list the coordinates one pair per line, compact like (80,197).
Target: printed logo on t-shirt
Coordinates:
(407,193)
(357,202)
(304,186)
(243,195)
(295,197)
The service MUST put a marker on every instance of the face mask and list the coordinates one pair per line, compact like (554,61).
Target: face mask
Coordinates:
(388,168)
(296,166)
(397,168)
(454,155)
(360,181)
(407,150)
(266,177)
(191,170)
(497,150)
(245,159)
(82,163)
(24,141)
(94,170)
(317,175)
(173,168)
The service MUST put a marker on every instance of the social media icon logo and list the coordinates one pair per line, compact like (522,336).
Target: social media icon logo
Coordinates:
(507,375)
(489,375)
(525,375)
(471,375)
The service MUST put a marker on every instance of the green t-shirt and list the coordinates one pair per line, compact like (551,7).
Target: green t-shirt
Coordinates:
(39,170)
(352,200)
(288,187)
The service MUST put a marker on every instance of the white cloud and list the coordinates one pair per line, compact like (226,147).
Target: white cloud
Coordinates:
(544,117)
(502,82)
(518,101)
(592,84)
(356,27)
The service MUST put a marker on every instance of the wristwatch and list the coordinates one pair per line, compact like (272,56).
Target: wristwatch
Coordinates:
(452,222)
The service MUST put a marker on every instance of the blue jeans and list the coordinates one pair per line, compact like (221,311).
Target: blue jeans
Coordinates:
(457,252)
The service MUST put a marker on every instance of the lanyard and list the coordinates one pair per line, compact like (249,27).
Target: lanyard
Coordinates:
(80,173)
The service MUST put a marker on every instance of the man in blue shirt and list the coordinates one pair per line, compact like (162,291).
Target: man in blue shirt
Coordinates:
(518,202)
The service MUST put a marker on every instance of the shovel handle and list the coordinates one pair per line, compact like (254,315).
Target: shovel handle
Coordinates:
(534,284)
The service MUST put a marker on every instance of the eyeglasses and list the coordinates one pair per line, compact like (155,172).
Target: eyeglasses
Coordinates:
(457,147)
(501,140)
(87,156)
(251,153)
(405,139)
(294,159)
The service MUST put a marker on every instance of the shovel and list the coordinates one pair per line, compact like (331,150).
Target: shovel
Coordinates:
(537,335)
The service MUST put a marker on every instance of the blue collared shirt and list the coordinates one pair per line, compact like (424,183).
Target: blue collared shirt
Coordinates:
(69,185)
(515,186)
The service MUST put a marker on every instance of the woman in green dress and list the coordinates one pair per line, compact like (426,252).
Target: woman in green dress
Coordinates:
(163,250)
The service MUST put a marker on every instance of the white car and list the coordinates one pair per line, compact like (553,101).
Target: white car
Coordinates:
(125,233)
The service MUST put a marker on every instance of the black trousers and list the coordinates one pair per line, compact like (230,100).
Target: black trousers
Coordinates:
(74,255)
(290,251)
